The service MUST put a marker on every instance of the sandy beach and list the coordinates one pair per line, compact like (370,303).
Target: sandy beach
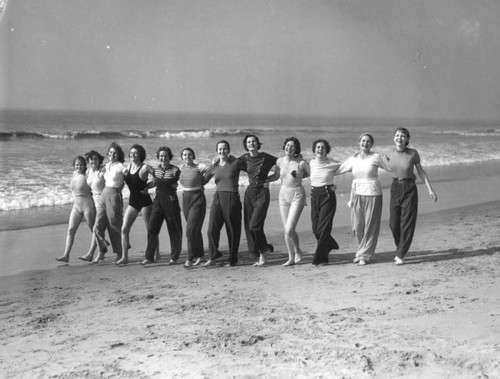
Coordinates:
(436,316)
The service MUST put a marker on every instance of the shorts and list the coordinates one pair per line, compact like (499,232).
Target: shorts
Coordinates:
(292,195)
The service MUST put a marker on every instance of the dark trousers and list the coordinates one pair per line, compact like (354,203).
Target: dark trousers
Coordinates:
(165,207)
(403,214)
(256,205)
(323,207)
(194,206)
(225,209)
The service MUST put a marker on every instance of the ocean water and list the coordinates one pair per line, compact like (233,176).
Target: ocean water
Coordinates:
(37,148)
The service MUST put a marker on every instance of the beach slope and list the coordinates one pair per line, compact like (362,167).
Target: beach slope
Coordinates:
(436,316)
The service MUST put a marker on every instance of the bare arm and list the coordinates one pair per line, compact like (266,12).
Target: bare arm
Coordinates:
(423,176)
(275,175)
(384,163)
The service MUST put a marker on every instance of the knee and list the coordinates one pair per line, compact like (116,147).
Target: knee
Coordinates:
(190,232)
(290,232)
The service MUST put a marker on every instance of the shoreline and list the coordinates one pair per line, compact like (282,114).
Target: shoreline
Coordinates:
(58,215)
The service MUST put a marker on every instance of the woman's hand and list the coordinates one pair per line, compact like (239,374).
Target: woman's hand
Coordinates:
(433,195)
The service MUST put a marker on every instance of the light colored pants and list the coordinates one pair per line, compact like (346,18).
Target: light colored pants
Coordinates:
(366,213)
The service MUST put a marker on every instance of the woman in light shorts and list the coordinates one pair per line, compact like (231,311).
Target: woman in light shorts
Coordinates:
(292,197)
(95,180)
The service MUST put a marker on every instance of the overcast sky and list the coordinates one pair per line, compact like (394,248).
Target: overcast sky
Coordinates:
(370,58)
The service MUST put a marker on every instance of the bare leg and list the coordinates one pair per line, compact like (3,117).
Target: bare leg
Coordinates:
(284,211)
(128,219)
(293,219)
(90,216)
(75,218)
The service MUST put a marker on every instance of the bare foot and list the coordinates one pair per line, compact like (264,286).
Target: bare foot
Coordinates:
(298,257)
(100,257)
(122,261)
(197,262)
(64,258)
(86,258)
(288,263)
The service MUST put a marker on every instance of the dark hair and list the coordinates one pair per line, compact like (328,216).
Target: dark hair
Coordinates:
(93,153)
(328,148)
(367,135)
(295,142)
(119,150)
(82,160)
(164,148)
(223,141)
(405,132)
(141,150)
(247,137)
(188,149)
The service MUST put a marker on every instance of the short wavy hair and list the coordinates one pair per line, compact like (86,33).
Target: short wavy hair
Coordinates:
(328,147)
(80,159)
(91,154)
(225,142)
(249,136)
(190,150)
(295,142)
(141,150)
(164,148)
(405,132)
(119,150)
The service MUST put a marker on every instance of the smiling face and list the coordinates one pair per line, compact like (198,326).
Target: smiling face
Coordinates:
(320,150)
(290,148)
(365,144)
(401,140)
(135,156)
(187,156)
(113,155)
(80,166)
(252,144)
(164,158)
(94,162)
(222,150)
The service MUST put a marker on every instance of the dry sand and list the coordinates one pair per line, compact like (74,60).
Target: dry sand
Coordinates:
(436,316)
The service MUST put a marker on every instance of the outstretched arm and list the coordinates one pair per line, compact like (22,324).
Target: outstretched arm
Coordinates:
(423,176)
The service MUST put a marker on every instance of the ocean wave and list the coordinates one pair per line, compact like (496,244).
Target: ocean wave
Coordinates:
(110,134)
(465,133)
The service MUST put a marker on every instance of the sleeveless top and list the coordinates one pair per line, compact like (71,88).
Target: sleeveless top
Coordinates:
(135,185)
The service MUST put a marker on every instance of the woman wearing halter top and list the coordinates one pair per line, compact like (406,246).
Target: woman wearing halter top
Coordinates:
(136,178)
(292,196)
(83,205)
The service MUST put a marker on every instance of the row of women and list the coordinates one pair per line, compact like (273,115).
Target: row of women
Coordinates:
(97,197)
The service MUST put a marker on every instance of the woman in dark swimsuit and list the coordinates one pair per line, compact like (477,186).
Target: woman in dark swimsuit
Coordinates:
(136,179)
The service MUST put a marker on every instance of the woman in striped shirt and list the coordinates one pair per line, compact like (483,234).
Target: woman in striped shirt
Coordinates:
(194,204)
